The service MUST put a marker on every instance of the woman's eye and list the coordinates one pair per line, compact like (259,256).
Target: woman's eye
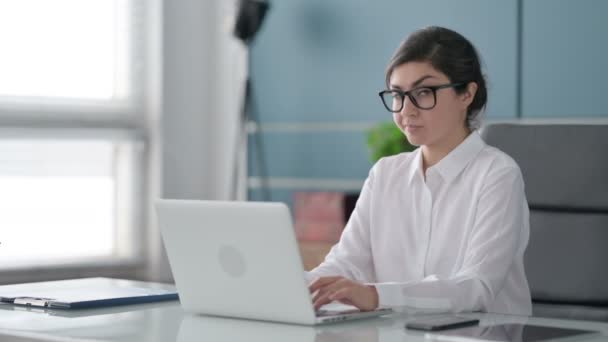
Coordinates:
(423,92)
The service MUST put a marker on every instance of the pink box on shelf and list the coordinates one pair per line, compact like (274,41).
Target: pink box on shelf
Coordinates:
(319,216)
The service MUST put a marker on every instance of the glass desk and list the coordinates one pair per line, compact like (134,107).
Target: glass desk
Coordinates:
(167,322)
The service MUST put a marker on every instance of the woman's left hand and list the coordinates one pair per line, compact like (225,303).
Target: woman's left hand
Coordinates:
(328,289)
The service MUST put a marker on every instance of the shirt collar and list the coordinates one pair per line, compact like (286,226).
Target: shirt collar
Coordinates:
(451,165)
(416,165)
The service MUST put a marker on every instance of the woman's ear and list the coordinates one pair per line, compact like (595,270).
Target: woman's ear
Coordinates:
(469,94)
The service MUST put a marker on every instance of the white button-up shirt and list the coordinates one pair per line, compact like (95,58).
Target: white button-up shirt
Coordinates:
(451,242)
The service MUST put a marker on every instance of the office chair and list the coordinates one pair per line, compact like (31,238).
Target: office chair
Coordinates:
(565,170)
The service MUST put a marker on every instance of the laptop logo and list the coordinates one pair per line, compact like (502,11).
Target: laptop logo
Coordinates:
(232,261)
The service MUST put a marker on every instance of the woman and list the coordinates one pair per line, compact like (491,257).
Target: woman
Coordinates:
(443,227)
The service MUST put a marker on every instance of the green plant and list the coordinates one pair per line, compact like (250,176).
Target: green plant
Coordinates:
(385,139)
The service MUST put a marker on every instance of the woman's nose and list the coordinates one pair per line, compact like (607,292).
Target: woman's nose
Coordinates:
(408,108)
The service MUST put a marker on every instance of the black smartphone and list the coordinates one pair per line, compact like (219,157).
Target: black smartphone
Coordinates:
(440,323)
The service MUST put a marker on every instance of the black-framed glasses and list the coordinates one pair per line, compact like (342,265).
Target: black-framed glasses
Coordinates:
(422,97)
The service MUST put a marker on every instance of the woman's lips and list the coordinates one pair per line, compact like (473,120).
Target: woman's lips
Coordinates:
(412,128)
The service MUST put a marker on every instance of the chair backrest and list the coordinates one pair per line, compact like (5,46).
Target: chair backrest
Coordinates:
(565,169)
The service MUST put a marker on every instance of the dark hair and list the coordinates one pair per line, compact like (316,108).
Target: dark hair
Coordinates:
(450,53)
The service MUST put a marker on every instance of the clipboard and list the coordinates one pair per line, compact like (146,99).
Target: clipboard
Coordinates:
(85,293)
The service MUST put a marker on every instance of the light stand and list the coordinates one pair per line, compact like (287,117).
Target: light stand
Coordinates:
(250,16)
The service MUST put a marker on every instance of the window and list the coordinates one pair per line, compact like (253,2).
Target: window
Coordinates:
(72,131)
(70,49)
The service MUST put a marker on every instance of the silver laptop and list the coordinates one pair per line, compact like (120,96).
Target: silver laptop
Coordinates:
(240,259)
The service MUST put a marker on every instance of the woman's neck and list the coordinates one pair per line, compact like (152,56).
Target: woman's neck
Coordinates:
(432,154)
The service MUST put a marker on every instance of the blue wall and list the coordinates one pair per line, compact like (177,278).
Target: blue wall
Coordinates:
(565,50)
(317,66)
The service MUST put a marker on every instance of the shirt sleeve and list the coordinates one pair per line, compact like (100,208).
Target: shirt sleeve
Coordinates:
(351,257)
(497,240)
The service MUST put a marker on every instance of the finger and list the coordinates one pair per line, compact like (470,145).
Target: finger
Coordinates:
(318,294)
(323,295)
(332,287)
(351,296)
(322,300)
(321,282)
(342,294)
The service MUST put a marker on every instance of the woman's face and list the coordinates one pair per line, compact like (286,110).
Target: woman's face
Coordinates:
(430,127)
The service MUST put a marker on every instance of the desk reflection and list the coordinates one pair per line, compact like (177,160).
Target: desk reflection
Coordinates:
(521,333)
(502,333)
(205,328)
